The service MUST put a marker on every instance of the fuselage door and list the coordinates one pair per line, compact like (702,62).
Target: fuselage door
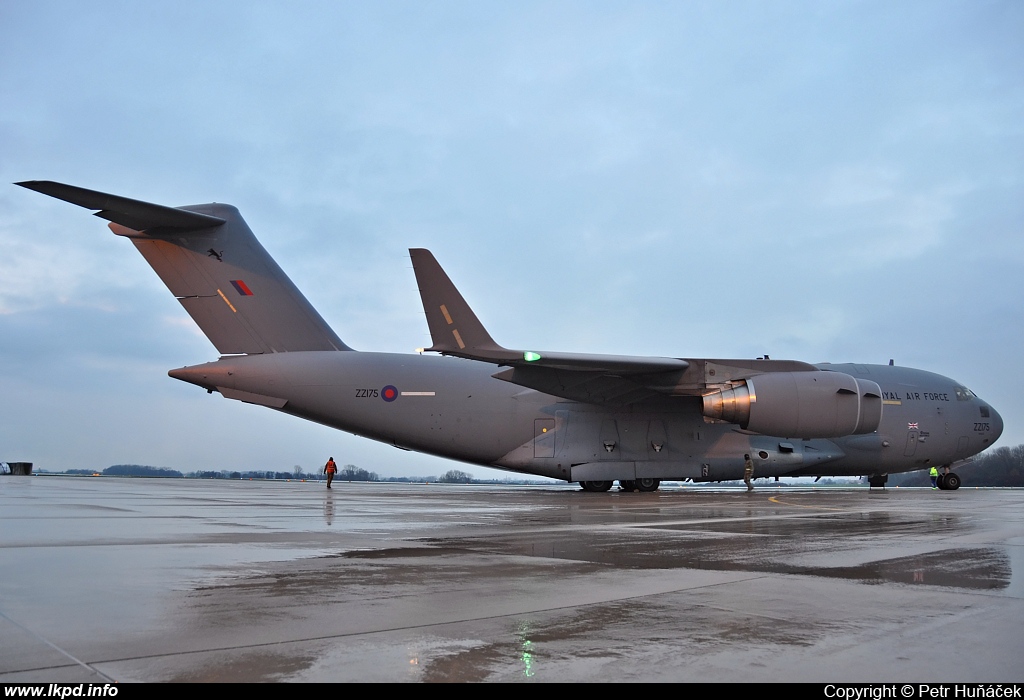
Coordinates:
(911,444)
(544,437)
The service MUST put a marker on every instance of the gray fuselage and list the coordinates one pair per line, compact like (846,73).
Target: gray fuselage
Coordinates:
(456,409)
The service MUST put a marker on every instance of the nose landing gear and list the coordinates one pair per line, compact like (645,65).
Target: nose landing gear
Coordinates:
(877,481)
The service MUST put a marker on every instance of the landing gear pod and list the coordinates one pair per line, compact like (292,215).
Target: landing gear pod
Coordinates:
(800,404)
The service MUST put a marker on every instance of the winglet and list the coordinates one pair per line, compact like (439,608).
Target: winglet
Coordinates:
(454,328)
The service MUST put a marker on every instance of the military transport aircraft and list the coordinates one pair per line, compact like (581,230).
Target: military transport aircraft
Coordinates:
(591,419)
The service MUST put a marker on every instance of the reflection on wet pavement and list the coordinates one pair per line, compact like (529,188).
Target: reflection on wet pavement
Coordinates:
(774,546)
(208,581)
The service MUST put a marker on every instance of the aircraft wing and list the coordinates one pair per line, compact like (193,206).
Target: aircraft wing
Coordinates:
(620,379)
(455,330)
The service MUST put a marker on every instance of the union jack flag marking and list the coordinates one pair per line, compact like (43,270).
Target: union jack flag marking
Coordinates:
(911,426)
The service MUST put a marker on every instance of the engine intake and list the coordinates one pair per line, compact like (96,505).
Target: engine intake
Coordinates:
(818,404)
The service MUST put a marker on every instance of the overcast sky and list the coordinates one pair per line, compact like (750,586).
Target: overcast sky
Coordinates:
(822,181)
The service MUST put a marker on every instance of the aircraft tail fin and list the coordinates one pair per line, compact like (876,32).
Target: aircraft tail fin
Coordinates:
(454,328)
(211,261)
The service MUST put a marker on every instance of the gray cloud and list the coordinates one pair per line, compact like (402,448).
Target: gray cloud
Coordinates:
(824,182)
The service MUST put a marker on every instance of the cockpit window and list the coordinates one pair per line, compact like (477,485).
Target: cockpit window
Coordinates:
(964,394)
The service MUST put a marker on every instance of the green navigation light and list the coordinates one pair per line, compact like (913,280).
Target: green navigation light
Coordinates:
(531,356)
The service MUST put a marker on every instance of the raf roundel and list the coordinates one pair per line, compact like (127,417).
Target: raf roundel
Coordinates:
(389,393)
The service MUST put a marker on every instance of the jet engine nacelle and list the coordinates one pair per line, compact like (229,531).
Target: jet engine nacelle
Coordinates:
(819,404)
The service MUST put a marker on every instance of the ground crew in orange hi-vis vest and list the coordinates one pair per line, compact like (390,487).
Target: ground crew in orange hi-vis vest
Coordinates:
(330,469)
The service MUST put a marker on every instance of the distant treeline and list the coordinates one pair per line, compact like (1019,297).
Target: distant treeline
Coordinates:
(131,470)
(1000,467)
(349,472)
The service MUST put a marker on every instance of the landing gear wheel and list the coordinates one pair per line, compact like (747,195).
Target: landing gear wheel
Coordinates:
(647,485)
(596,486)
(877,480)
(627,485)
(951,480)
(941,482)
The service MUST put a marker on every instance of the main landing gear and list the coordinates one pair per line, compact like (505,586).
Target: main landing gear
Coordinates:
(948,482)
(642,485)
(647,485)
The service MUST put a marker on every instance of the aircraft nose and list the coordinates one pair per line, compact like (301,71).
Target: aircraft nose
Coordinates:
(996,421)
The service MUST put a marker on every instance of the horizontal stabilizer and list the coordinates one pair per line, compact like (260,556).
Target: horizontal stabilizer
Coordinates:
(136,215)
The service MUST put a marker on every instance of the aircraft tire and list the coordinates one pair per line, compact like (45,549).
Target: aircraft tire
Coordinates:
(627,485)
(952,481)
(941,482)
(647,485)
(596,486)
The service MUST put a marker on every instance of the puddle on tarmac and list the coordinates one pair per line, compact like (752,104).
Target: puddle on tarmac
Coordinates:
(538,645)
(985,568)
(399,553)
(247,667)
